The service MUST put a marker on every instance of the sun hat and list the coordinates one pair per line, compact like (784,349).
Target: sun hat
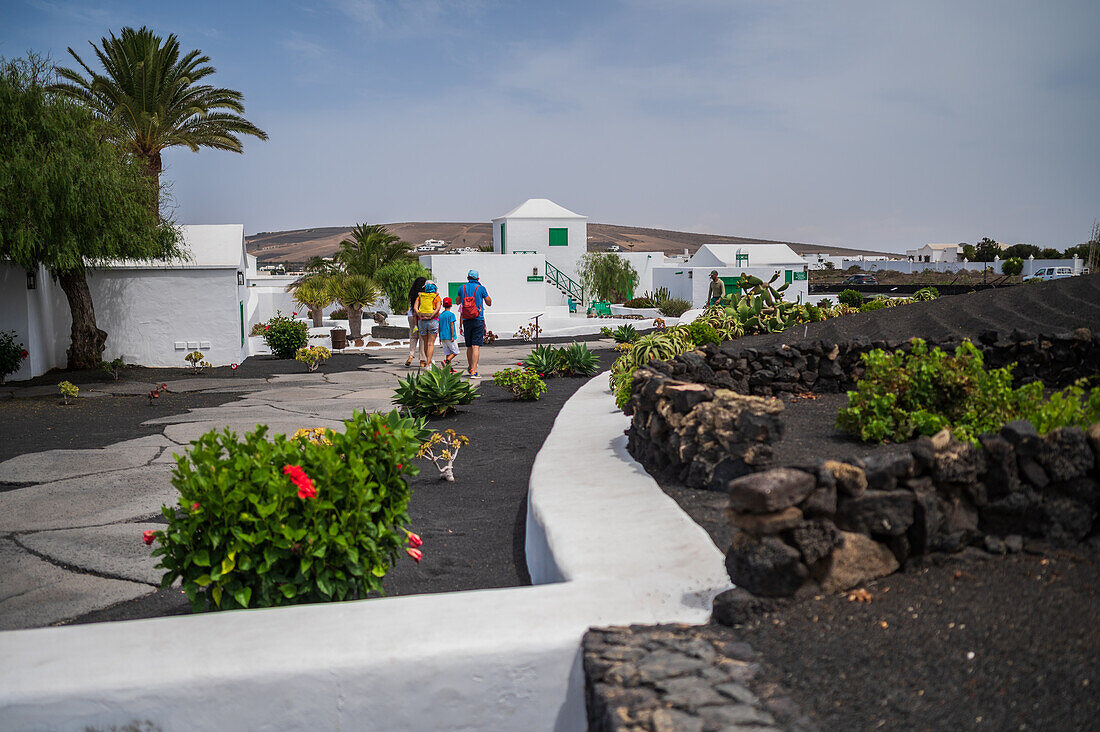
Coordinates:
(447,302)
(472,275)
(430,287)
(714,273)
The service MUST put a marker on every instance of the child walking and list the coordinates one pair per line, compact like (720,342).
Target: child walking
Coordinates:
(447,336)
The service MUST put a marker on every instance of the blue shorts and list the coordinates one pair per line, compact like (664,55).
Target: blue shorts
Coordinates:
(474,331)
(427,327)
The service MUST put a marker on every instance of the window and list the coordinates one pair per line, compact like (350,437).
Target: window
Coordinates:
(559,237)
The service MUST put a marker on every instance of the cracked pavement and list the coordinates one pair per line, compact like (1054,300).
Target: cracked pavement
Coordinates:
(71,520)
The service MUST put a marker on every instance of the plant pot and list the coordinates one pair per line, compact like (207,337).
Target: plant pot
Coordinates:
(358,342)
(339,339)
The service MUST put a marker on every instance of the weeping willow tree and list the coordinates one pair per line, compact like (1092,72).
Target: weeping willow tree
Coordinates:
(69,198)
(608,276)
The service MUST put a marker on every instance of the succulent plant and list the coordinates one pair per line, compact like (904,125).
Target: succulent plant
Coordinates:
(434,392)
(577,360)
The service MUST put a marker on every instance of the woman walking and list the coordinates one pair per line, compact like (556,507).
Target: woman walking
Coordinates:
(414,330)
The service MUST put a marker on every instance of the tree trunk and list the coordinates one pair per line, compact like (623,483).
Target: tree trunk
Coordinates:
(317,316)
(355,323)
(153,168)
(86,340)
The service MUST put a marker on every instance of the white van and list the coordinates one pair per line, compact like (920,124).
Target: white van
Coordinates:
(1050,273)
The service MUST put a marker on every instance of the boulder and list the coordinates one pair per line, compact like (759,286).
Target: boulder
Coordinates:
(1023,437)
(856,560)
(769,491)
(765,566)
(1065,521)
(1002,477)
(888,513)
(850,479)
(884,468)
(761,524)
(738,606)
(956,463)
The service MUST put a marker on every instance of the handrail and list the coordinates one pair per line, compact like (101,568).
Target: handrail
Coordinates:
(556,277)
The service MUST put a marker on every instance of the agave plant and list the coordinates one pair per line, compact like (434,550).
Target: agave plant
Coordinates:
(625,334)
(577,360)
(434,392)
(544,360)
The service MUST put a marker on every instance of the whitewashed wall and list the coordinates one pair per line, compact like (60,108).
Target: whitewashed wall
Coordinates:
(695,286)
(504,276)
(149,313)
(644,264)
(1030,265)
(534,235)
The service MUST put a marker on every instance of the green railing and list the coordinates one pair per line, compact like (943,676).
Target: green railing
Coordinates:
(564,282)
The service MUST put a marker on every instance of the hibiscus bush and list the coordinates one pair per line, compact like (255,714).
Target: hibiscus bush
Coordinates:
(263,522)
(284,336)
(12,354)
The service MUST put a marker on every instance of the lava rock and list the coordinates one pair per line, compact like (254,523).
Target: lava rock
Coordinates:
(887,513)
(1093,435)
(738,606)
(1065,521)
(858,559)
(765,566)
(1067,456)
(761,524)
(1023,437)
(769,491)
(883,469)
(850,479)
(814,540)
(1002,477)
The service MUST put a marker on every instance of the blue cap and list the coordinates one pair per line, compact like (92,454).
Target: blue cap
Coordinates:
(472,274)
(430,287)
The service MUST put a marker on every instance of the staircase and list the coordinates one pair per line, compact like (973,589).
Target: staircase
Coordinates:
(565,284)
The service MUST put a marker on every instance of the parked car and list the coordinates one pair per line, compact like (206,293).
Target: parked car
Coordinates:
(1050,273)
(860,279)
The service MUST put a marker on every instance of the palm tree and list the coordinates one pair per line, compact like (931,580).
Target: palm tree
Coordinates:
(370,248)
(316,294)
(355,292)
(153,99)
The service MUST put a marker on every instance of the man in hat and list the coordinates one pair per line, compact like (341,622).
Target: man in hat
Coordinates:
(472,298)
(717,289)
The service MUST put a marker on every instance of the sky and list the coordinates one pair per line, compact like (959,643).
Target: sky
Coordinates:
(867,124)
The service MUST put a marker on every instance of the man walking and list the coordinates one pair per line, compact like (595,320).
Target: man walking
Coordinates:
(717,289)
(473,298)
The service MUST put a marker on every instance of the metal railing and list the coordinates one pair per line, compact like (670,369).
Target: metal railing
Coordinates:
(564,282)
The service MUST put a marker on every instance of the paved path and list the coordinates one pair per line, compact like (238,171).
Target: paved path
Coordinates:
(70,528)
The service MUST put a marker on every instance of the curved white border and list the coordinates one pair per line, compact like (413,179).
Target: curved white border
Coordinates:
(604,545)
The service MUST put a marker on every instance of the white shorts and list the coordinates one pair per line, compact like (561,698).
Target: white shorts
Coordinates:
(450,348)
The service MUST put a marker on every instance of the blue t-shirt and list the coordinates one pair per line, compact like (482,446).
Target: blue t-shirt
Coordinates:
(446,326)
(479,292)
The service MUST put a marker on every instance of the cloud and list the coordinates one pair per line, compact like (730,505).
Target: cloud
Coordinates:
(407,17)
(305,48)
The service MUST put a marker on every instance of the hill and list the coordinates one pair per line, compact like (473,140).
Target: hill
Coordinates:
(301,244)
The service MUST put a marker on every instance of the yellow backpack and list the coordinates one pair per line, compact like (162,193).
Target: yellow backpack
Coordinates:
(425,304)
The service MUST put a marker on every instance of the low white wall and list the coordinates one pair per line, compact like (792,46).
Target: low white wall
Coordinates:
(505,277)
(1030,265)
(488,660)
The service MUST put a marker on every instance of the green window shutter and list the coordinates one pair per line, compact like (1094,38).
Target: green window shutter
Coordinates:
(559,237)
(242,322)
(452,291)
(503,249)
(787,275)
(731,284)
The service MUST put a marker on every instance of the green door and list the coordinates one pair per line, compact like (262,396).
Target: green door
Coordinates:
(503,249)
(452,292)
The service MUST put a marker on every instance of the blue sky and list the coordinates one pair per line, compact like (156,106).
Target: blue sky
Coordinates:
(863,124)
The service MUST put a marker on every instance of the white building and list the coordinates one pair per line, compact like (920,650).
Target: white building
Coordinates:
(936,253)
(153,313)
(540,226)
(691,280)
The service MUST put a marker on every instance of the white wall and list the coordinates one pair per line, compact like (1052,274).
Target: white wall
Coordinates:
(1030,265)
(533,234)
(644,264)
(504,276)
(695,287)
(147,312)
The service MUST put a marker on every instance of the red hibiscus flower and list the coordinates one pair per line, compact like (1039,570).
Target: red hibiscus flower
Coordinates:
(414,540)
(194,507)
(148,536)
(24,353)
(299,478)
(416,554)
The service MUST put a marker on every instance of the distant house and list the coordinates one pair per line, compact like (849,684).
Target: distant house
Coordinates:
(432,245)
(691,279)
(154,313)
(936,253)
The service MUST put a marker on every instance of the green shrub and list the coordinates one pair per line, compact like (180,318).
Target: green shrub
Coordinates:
(284,336)
(524,384)
(926,293)
(435,391)
(640,302)
(262,523)
(1012,266)
(813,313)
(879,303)
(114,368)
(576,360)
(653,347)
(11,354)
(674,307)
(543,360)
(703,333)
(339,314)
(622,391)
(825,303)
(904,395)
(851,298)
